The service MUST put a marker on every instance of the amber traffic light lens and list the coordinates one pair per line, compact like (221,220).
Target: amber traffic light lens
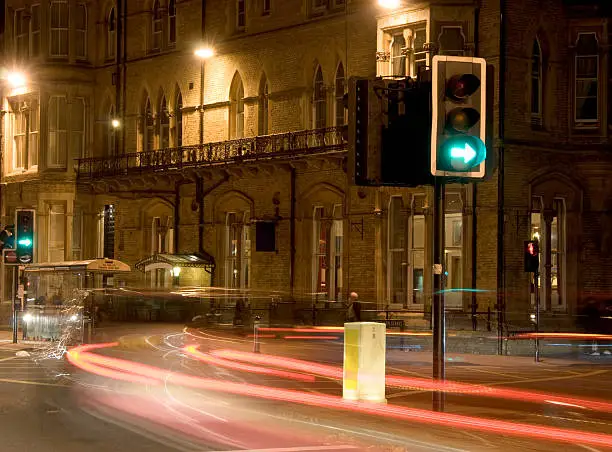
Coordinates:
(462,119)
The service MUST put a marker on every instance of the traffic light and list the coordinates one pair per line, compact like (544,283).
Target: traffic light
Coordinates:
(24,239)
(365,129)
(532,256)
(458,131)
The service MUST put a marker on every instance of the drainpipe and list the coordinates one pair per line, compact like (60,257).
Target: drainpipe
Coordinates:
(292,235)
(500,188)
(124,60)
(118,77)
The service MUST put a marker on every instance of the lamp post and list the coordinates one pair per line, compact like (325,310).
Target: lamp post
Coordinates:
(203,53)
(389,4)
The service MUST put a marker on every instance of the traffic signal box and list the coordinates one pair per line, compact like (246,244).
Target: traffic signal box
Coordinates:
(24,240)
(458,130)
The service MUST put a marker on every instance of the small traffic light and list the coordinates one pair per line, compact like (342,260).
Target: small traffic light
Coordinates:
(458,131)
(532,256)
(24,240)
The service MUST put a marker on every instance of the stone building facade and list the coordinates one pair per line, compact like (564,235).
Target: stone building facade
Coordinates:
(240,158)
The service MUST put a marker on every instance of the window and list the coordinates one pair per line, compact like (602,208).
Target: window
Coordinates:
(57,233)
(111,132)
(77,233)
(417,250)
(336,254)
(454,250)
(319,101)
(77,122)
(557,255)
(266,7)
(164,124)
(263,107)
(148,132)
(240,14)
(237,108)
(178,115)
(34,132)
(320,237)
(35,31)
(21,34)
(58,132)
(451,41)
(20,126)
(587,70)
(536,82)
(157,26)
(162,235)
(109,231)
(396,257)
(398,55)
(340,88)
(25,134)
(172,22)
(238,251)
(319,4)
(111,34)
(81,31)
(59,29)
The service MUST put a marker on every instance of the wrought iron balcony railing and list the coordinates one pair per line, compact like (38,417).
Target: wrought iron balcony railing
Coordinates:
(289,144)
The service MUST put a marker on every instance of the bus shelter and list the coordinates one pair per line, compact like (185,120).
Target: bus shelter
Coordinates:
(60,300)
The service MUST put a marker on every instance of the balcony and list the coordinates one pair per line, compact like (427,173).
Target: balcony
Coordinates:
(268,147)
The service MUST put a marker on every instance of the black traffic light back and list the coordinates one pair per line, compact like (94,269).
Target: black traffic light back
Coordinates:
(532,256)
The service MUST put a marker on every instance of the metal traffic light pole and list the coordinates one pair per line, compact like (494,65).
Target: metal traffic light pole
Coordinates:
(536,280)
(439,321)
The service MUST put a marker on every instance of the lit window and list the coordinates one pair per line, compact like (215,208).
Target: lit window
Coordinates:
(19,137)
(320,246)
(81,31)
(172,22)
(58,132)
(396,258)
(587,70)
(398,55)
(59,29)
(336,249)
(319,100)
(237,251)
(340,88)
(454,249)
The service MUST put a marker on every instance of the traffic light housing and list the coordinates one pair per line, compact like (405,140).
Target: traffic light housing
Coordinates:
(532,256)
(24,236)
(389,132)
(459,111)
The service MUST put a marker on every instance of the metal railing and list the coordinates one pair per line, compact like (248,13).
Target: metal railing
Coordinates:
(244,149)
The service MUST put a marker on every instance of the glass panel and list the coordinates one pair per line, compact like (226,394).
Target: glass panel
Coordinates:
(172,21)
(398,59)
(536,68)
(77,233)
(420,53)
(35,31)
(587,68)
(241,14)
(319,100)
(179,121)
(418,273)
(57,233)
(418,232)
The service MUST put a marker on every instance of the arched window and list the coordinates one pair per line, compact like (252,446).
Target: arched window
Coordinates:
(111,34)
(237,108)
(172,22)
(319,101)
(263,107)
(147,131)
(587,78)
(536,81)
(164,124)
(156,26)
(178,118)
(340,88)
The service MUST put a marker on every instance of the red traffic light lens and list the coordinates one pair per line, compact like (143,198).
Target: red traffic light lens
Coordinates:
(462,119)
(459,87)
(532,248)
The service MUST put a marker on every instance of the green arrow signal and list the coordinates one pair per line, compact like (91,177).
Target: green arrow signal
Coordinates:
(467,153)
(461,153)
(24,242)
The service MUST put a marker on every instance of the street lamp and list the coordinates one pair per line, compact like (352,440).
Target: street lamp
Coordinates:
(204,52)
(16,79)
(176,271)
(389,4)
(115,123)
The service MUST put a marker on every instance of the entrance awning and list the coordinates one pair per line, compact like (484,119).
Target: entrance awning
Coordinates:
(195,260)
